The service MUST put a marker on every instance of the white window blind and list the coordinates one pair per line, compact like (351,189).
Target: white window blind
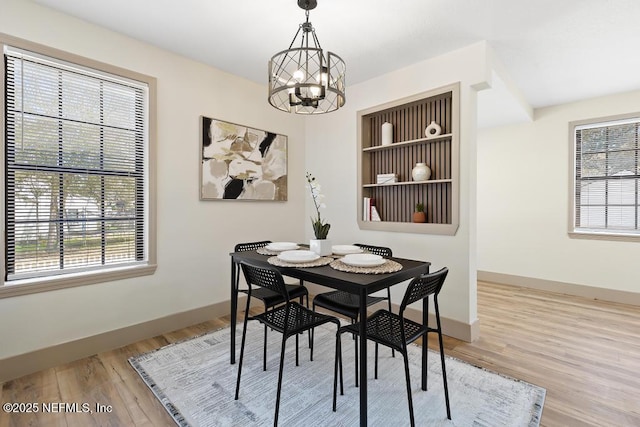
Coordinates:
(75,166)
(607,177)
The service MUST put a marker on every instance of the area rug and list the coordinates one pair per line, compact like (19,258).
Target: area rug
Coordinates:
(196,384)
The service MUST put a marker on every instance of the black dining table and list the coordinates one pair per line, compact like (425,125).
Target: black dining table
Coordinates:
(354,283)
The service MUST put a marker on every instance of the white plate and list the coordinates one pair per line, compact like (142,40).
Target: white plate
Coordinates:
(282,246)
(298,256)
(363,260)
(345,249)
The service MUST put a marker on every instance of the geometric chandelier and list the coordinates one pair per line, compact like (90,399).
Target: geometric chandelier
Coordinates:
(301,79)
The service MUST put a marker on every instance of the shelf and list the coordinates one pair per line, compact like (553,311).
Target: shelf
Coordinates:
(411,142)
(391,184)
(396,201)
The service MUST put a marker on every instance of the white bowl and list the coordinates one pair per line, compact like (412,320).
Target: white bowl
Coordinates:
(282,246)
(345,249)
(363,260)
(298,256)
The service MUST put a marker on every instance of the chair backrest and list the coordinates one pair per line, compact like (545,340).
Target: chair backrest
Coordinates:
(376,250)
(245,247)
(251,246)
(423,286)
(264,277)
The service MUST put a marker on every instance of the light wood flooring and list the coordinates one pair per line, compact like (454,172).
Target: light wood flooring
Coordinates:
(585,353)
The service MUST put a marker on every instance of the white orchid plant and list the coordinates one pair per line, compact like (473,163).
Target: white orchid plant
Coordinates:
(320,228)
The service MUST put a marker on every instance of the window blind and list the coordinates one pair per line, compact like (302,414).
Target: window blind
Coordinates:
(608,177)
(75,167)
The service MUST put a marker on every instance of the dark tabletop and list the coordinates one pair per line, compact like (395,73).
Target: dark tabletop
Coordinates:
(349,282)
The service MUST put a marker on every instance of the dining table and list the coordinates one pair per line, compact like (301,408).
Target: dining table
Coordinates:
(355,283)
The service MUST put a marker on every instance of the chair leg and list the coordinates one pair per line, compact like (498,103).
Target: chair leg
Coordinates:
(264,350)
(376,363)
(355,343)
(444,377)
(311,332)
(425,345)
(406,373)
(244,336)
(297,362)
(308,332)
(275,418)
(337,367)
(425,353)
(444,370)
(393,352)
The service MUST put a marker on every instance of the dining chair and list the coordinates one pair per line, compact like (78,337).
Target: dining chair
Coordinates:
(349,304)
(268,297)
(395,331)
(290,318)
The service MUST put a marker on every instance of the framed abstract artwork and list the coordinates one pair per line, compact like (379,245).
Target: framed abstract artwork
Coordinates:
(241,163)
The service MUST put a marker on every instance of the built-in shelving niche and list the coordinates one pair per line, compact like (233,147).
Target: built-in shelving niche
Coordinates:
(396,202)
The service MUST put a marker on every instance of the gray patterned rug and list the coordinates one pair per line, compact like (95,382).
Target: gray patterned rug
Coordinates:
(196,384)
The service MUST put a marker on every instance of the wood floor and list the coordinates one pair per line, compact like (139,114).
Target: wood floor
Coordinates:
(585,353)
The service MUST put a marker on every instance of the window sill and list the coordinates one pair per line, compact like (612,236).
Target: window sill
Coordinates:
(599,235)
(52,283)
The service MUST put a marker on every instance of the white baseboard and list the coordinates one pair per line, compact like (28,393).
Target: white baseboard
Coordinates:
(18,366)
(450,327)
(591,292)
(24,364)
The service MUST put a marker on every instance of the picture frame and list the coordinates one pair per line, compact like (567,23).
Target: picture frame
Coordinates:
(239,162)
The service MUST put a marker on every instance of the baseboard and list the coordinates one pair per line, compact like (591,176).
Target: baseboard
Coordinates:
(450,327)
(591,292)
(18,366)
(24,364)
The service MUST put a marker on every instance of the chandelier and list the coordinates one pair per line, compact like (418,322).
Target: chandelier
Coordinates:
(301,79)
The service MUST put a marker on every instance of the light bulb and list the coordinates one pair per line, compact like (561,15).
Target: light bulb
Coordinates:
(315,91)
(324,76)
(298,75)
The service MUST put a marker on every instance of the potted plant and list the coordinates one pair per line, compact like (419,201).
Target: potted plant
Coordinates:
(320,245)
(419,215)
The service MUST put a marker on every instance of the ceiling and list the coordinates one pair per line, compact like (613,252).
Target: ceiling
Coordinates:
(553,51)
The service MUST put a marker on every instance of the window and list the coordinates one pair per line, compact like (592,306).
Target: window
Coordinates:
(76,161)
(607,176)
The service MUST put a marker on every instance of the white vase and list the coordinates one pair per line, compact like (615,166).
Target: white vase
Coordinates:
(320,246)
(387,133)
(432,130)
(421,172)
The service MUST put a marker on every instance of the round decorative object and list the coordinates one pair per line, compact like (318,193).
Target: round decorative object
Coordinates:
(363,260)
(346,249)
(432,130)
(419,217)
(299,256)
(274,260)
(387,133)
(421,172)
(281,246)
(389,266)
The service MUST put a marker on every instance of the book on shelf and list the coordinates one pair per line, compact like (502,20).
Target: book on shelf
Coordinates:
(369,211)
(375,216)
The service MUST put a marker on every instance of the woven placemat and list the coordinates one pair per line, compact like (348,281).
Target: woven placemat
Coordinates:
(388,267)
(265,251)
(274,260)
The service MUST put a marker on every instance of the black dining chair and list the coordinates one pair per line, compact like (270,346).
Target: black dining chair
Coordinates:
(397,332)
(268,297)
(290,318)
(349,304)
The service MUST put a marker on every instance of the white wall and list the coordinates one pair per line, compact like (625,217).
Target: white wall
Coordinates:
(194,238)
(523,202)
(331,155)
